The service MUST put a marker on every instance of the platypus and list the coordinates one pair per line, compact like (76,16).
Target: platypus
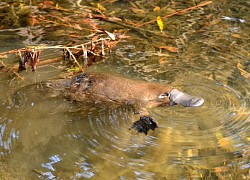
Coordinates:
(139,94)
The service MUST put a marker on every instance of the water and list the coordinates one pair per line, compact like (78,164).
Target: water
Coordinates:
(43,135)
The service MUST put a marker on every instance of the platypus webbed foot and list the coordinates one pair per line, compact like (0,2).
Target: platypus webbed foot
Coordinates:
(144,124)
(178,97)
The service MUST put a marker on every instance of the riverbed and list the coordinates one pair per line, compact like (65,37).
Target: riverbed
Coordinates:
(46,136)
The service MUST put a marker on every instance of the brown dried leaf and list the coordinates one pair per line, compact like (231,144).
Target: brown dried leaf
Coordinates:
(162,60)
(221,169)
(31,21)
(169,48)
(90,23)
(95,38)
(73,36)
(77,26)
(243,73)
(123,36)
(234,35)
(138,11)
(49,3)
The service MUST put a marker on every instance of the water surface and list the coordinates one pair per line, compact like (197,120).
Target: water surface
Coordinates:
(45,135)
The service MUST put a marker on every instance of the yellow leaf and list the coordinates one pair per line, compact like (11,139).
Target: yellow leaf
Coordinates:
(21,5)
(218,135)
(57,5)
(160,23)
(157,8)
(101,7)
(74,69)
(223,142)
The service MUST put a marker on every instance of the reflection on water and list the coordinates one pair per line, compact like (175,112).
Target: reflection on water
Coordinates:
(43,135)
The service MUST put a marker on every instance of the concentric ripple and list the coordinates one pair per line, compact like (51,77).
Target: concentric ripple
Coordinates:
(97,135)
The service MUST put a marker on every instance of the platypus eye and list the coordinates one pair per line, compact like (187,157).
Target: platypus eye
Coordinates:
(166,94)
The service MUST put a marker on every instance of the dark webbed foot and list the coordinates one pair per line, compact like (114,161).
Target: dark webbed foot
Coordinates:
(144,124)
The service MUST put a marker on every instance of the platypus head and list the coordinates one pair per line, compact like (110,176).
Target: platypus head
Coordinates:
(177,97)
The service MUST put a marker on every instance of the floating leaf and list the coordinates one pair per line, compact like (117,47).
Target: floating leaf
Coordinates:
(169,48)
(160,23)
(157,8)
(101,7)
(162,60)
(74,69)
(138,11)
(21,5)
(111,35)
(223,141)
(236,35)
(243,73)
(3,56)
(221,169)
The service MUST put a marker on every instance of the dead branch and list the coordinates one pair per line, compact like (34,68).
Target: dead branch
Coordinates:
(177,12)
(87,52)
(137,29)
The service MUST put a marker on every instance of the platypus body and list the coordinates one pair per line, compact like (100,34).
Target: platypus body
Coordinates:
(139,94)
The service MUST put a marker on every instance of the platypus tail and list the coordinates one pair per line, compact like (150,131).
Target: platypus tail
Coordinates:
(178,97)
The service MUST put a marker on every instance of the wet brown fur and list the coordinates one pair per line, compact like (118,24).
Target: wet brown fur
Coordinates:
(115,88)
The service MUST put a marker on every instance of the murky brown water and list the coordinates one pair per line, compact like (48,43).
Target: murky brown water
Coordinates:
(41,133)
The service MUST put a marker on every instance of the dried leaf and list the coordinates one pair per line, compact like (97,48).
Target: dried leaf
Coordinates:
(111,35)
(243,73)
(90,23)
(74,69)
(57,6)
(138,11)
(123,36)
(3,56)
(73,36)
(49,3)
(162,60)
(169,48)
(234,35)
(160,23)
(77,26)
(21,5)
(31,21)
(101,7)
(94,38)
(221,169)
(157,8)
(222,141)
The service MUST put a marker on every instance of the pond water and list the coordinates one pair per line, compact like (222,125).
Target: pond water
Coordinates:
(46,136)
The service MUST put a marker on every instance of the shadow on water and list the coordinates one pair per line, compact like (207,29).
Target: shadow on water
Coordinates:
(44,135)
